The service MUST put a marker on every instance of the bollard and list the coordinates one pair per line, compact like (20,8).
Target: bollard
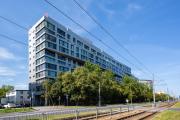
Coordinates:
(96,113)
(44,116)
(110,113)
(111,110)
(128,108)
(77,114)
(120,109)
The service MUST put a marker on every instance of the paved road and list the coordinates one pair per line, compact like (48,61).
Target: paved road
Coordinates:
(174,109)
(50,109)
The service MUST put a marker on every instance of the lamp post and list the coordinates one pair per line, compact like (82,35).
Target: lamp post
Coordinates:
(59,100)
(67,99)
(99,94)
(154,96)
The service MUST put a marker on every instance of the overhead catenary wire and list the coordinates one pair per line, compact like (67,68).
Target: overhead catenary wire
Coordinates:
(25,28)
(91,34)
(9,38)
(12,22)
(22,27)
(108,33)
(12,39)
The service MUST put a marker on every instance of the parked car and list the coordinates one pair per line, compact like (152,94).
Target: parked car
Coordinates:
(19,105)
(10,105)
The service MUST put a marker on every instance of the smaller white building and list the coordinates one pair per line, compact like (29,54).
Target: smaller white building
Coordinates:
(20,97)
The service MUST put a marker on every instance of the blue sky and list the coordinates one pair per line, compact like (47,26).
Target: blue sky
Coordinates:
(149,29)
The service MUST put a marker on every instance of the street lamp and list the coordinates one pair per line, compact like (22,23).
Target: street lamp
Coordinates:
(154,96)
(59,100)
(99,94)
(67,99)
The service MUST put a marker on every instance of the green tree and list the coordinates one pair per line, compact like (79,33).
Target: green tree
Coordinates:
(47,91)
(4,89)
(56,89)
(130,86)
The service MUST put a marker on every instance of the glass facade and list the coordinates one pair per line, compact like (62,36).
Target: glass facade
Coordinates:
(58,50)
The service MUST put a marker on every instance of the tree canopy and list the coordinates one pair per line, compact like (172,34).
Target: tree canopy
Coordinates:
(82,84)
(4,89)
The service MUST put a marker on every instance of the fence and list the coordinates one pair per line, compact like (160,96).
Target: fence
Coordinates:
(72,113)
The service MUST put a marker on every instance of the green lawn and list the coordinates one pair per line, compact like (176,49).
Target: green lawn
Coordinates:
(169,114)
(10,110)
(177,105)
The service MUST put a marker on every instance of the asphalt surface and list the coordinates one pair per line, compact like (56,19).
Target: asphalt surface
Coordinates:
(61,110)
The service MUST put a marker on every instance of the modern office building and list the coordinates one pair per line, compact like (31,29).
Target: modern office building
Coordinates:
(54,48)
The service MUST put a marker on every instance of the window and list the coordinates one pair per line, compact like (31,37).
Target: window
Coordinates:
(50,38)
(50,26)
(61,62)
(77,54)
(72,47)
(42,38)
(79,43)
(83,52)
(68,36)
(39,54)
(83,57)
(61,32)
(91,55)
(99,54)
(86,47)
(40,32)
(51,32)
(93,51)
(51,66)
(52,73)
(50,53)
(51,45)
(41,46)
(63,69)
(72,53)
(40,26)
(63,43)
(49,59)
(77,49)
(64,50)
(40,67)
(40,74)
(40,60)
(74,40)
(61,57)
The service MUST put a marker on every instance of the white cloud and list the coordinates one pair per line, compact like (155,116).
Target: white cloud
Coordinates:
(110,13)
(5,54)
(21,86)
(133,7)
(5,71)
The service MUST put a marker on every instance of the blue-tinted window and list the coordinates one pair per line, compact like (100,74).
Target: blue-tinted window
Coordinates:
(51,66)
(61,32)
(50,53)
